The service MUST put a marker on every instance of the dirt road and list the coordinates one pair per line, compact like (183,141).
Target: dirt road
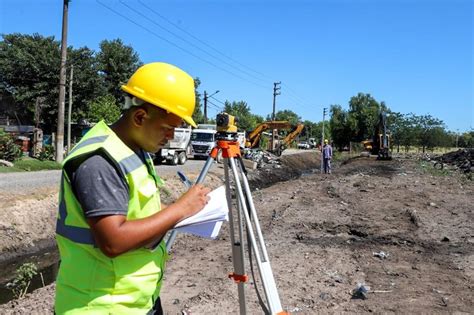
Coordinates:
(402,230)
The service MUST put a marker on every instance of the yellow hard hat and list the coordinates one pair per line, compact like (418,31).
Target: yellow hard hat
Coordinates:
(165,86)
(326,141)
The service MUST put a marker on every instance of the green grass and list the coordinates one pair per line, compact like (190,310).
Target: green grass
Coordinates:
(30,165)
(428,168)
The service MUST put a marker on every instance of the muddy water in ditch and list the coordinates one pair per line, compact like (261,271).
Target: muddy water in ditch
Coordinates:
(47,262)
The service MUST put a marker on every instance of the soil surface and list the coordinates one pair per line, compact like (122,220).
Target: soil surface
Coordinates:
(401,229)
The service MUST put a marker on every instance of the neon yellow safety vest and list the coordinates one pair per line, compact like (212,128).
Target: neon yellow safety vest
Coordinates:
(88,281)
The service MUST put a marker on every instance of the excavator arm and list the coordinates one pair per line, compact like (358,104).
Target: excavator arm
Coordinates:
(289,138)
(255,135)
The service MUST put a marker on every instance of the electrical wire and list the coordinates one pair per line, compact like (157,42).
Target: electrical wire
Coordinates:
(219,101)
(291,94)
(201,41)
(216,106)
(185,40)
(177,46)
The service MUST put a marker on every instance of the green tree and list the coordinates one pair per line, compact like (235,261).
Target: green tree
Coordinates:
(341,129)
(466,139)
(88,85)
(29,70)
(287,115)
(364,115)
(198,115)
(246,120)
(104,108)
(398,127)
(117,62)
(428,131)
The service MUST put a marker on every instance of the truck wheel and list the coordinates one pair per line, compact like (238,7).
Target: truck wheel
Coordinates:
(182,158)
(175,159)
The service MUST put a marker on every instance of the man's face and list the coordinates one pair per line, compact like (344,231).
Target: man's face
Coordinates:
(158,127)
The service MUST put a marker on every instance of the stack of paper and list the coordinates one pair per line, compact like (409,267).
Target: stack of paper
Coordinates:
(207,222)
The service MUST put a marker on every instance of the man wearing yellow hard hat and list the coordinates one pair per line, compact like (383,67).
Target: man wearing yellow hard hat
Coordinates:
(110,222)
(327,156)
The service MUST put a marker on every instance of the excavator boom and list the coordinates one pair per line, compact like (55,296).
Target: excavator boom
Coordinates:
(255,135)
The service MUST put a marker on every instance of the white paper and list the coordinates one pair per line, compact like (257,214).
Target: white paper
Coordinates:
(208,221)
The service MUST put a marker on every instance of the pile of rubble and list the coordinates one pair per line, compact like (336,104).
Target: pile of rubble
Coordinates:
(262,158)
(461,159)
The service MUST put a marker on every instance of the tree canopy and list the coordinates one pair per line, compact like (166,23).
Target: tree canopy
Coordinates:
(246,120)
(29,80)
(29,75)
(116,62)
(29,68)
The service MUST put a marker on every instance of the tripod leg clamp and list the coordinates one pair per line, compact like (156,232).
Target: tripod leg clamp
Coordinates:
(238,278)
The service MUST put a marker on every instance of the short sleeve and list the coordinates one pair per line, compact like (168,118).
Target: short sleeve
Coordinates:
(99,188)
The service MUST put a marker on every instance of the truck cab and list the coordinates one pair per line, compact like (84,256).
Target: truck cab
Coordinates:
(202,142)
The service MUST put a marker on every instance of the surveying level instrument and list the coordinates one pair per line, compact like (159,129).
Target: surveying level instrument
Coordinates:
(245,219)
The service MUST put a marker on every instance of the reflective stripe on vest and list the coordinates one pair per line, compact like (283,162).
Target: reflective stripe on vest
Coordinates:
(74,233)
(84,235)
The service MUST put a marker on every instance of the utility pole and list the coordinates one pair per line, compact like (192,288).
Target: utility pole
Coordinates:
(205,107)
(206,96)
(276,91)
(69,111)
(62,87)
(322,141)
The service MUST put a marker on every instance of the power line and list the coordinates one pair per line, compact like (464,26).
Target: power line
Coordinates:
(201,41)
(216,106)
(177,46)
(293,92)
(185,40)
(218,100)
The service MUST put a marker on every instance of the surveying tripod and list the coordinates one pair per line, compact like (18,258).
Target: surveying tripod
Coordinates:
(246,215)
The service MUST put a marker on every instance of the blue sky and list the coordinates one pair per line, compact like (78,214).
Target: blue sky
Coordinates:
(417,56)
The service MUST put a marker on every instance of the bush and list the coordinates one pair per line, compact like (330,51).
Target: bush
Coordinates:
(9,150)
(46,154)
(24,275)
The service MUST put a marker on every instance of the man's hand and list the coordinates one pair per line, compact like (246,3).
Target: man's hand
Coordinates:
(193,200)
(116,235)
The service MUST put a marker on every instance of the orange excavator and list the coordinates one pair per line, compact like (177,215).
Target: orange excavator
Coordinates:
(255,135)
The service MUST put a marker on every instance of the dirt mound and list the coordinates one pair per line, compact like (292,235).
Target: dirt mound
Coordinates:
(462,159)
(290,167)
(404,235)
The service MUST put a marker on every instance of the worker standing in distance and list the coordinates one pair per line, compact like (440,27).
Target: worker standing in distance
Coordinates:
(111,223)
(327,156)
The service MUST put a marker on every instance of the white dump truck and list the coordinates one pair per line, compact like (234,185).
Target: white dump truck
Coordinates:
(202,141)
(176,151)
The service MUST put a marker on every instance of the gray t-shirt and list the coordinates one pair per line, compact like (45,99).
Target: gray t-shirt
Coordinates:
(99,188)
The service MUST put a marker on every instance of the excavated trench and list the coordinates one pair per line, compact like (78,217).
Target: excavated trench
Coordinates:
(45,255)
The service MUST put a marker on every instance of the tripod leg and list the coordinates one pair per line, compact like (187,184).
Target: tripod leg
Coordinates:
(200,179)
(264,267)
(237,245)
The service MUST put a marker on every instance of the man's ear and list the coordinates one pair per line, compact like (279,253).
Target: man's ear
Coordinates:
(139,116)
